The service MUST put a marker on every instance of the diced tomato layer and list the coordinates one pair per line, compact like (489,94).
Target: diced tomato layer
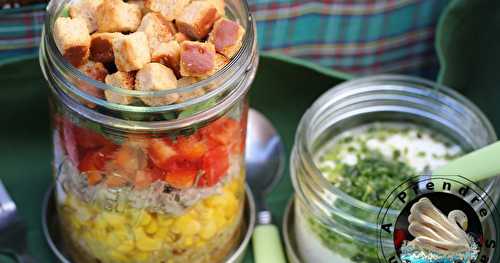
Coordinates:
(94,177)
(123,157)
(224,131)
(178,162)
(181,179)
(206,152)
(95,160)
(84,137)
(160,150)
(89,139)
(143,179)
(69,141)
(115,181)
(156,172)
(191,147)
(215,165)
(129,159)
(78,140)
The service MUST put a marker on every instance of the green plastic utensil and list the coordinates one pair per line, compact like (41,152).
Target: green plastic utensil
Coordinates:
(267,244)
(475,166)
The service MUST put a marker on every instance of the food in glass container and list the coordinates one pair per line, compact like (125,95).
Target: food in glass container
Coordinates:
(159,194)
(175,198)
(190,39)
(226,37)
(101,47)
(72,39)
(366,163)
(152,199)
(357,143)
(86,10)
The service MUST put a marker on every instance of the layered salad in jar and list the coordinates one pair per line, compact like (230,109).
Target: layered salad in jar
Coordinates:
(151,199)
(173,195)
(366,163)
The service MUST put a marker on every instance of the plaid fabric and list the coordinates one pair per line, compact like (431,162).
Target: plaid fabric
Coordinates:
(355,36)
(20,33)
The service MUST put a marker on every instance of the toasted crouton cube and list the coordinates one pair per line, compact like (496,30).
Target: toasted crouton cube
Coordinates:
(72,39)
(85,9)
(197,19)
(220,62)
(220,5)
(118,16)
(181,37)
(141,5)
(131,51)
(170,9)
(94,70)
(124,80)
(101,47)
(227,37)
(156,77)
(168,54)
(157,29)
(197,59)
(184,82)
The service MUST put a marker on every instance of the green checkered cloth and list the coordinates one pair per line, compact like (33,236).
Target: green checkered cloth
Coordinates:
(359,36)
(20,30)
(354,36)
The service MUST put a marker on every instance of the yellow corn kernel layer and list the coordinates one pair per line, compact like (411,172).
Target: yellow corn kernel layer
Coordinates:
(140,236)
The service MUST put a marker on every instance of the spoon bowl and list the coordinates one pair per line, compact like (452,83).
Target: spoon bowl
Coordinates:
(264,156)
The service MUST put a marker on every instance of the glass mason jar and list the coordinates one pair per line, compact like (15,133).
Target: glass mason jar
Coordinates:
(332,226)
(150,184)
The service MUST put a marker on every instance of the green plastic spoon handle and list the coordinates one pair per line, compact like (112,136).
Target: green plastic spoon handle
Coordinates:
(267,245)
(475,166)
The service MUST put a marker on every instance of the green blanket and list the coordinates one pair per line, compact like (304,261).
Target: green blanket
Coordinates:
(468,46)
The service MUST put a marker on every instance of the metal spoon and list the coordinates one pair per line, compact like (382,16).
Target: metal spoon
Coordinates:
(265,159)
(13,230)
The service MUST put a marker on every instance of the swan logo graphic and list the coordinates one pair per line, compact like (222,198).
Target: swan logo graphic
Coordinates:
(439,219)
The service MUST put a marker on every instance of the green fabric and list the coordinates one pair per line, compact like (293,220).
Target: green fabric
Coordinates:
(25,146)
(468,46)
(282,90)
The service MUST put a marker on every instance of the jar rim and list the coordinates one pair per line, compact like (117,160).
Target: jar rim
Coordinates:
(241,63)
(302,142)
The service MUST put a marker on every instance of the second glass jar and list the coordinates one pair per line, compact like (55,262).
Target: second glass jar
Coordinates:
(332,225)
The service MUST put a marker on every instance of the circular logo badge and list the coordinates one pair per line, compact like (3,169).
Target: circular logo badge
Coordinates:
(438,219)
